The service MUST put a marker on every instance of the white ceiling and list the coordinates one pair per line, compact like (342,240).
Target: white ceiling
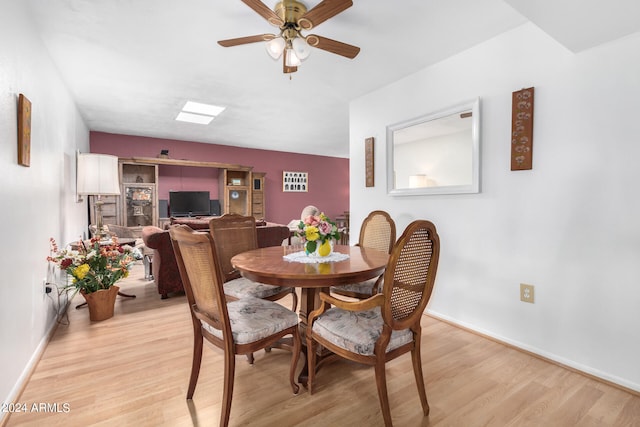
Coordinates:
(132,64)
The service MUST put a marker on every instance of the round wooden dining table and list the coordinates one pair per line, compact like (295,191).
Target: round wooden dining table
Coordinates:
(268,265)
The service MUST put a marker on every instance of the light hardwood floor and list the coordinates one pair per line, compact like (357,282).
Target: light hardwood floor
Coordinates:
(133,370)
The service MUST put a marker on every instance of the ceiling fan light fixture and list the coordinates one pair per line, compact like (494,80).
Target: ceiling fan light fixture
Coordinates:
(275,47)
(291,59)
(301,48)
(292,17)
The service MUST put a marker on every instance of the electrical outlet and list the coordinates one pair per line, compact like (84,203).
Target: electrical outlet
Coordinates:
(46,286)
(526,293)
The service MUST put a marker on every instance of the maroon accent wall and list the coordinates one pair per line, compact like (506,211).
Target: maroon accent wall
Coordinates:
(328,176)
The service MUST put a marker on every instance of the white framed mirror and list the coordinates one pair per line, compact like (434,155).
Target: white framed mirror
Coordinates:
(437,153)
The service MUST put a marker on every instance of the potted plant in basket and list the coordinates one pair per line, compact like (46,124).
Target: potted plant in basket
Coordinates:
(318,233)
(94,267)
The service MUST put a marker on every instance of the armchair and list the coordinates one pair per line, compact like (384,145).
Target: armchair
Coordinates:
(378,329)
(165,268)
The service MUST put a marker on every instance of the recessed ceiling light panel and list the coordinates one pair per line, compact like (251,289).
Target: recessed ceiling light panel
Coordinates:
(199,108)
(194,118)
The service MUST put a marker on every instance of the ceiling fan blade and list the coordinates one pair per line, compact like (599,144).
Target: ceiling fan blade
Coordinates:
(333,46)
(264,11)
(285,68)
(246,40)
(324,10)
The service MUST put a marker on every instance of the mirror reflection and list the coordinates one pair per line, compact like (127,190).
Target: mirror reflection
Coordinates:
(436,153)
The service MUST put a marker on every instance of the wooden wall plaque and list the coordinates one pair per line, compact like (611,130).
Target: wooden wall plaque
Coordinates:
(522,129)
(24,131)
(368,162)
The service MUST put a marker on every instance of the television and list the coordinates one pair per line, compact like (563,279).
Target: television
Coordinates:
(189,203)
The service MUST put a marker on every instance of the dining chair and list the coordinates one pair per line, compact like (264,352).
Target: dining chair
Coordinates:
(379,329)
(234,234)
(378,231)
(237,327)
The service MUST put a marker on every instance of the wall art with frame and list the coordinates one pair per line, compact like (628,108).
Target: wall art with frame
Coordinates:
(24,131)
(522,129)
(368,162)
(295,182)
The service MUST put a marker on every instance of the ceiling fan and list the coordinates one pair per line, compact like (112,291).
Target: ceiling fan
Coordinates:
(292,17)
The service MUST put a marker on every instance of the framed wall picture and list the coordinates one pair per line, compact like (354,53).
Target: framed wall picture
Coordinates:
(295,182)
(24,131)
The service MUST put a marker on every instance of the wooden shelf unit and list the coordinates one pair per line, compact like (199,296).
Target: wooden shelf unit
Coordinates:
(138,193)
(235,191)
(257,195)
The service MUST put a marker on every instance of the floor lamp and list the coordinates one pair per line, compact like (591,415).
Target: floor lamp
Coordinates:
(98,176)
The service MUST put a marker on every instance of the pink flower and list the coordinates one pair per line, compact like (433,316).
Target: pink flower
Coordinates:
(312,220)
(325,227)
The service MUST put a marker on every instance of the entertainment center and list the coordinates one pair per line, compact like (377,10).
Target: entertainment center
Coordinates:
(241,191)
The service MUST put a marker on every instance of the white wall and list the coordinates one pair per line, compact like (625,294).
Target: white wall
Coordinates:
(38,202)
(570,226)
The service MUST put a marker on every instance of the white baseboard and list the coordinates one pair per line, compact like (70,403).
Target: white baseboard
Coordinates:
(587,370)
(15,392)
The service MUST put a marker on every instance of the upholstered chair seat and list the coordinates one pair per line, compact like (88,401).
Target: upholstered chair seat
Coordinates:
(358,331)
(243,288)
(253,319)
(362,289)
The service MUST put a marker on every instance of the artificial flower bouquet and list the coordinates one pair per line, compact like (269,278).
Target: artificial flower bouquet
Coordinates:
(95,265)
(317,233)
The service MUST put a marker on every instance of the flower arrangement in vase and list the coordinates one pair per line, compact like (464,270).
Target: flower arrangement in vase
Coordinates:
(318,233)
(94,268)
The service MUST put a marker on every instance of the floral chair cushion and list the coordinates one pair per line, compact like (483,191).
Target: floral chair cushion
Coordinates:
(357,331)
(242,288)
(364,288)
(253,319)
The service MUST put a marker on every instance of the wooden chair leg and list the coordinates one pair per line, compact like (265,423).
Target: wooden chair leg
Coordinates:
(295,355)
(381,382)
(250,358)
(417,371)
(294,296)
(227,394)
(195,364)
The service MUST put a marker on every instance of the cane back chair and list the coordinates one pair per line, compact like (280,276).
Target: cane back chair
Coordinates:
(378,231)
(237,327)
(233,234)
(387,325)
